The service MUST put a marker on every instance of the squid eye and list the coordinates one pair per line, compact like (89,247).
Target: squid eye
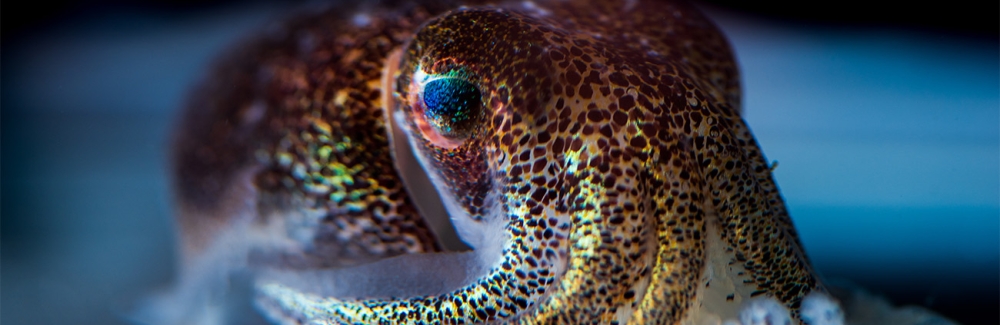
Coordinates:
(450,106)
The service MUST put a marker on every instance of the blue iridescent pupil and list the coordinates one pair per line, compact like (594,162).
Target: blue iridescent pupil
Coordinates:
(449,103)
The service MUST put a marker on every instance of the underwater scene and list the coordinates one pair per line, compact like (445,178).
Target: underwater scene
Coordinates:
(882,136)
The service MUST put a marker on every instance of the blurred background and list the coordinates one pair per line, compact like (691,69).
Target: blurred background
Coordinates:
(885,124)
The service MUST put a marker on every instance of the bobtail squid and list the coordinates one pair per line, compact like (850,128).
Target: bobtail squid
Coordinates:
(590,153)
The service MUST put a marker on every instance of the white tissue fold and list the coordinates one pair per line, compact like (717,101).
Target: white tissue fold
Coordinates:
(397,277)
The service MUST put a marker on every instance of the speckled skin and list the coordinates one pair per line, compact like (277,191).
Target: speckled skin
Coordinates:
(609,138)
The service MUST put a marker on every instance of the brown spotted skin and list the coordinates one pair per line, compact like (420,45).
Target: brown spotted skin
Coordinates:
(300,108)
(608,139)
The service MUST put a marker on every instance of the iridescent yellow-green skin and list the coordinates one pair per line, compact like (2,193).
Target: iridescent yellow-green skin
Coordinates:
(609,138)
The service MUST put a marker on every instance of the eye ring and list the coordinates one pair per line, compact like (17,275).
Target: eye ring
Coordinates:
(450,105)
(446,108)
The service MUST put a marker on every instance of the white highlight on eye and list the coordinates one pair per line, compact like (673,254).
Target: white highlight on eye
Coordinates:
(420,77)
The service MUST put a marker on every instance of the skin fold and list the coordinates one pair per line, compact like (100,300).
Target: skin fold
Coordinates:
(591,153)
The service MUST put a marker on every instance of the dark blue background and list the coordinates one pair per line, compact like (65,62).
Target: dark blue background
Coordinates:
(887,134)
